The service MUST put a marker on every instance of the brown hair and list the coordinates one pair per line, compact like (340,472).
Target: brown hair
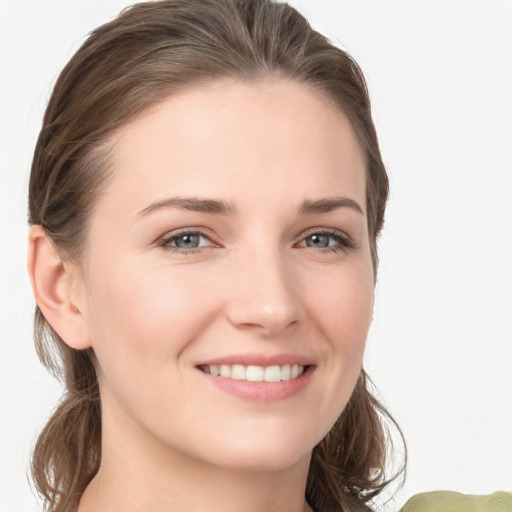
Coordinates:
(150,51)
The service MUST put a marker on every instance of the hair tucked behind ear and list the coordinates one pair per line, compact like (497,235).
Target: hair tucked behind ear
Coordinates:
(153,50)
(347,467)
(68,450)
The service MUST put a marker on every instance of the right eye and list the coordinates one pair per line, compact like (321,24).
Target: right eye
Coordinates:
(185,241)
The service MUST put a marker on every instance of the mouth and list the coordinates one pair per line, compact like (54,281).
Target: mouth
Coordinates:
(253,373)
(262,378)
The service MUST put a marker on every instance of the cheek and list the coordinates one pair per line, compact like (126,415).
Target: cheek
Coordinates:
(140,324)
(343,309)
(343,303)
(145,314)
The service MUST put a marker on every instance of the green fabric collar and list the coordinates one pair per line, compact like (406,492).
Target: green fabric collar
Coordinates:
(449,501)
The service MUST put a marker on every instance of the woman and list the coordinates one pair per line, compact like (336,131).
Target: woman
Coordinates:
(205,199)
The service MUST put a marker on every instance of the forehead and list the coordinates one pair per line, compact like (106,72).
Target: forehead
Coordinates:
(232,138)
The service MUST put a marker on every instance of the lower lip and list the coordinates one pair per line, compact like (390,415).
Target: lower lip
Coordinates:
(262,391)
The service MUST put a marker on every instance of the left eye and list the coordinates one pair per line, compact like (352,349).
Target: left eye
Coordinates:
(325,240)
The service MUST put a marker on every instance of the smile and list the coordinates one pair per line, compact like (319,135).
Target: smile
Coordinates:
(252,373)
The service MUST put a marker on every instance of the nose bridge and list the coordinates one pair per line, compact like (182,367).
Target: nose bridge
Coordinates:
(265,294)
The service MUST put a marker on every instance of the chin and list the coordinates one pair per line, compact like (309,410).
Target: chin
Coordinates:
(264,452)
(264,463)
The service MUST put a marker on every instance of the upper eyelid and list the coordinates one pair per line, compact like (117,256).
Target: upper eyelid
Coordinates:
(325,231)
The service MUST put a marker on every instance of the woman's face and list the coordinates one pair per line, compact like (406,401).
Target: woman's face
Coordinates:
(231,239)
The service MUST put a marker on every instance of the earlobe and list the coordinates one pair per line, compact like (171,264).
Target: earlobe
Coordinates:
(52,281)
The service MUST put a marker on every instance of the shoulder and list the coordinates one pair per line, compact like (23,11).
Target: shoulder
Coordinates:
(449,501)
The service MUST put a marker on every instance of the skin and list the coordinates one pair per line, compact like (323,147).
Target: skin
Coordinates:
(258,284)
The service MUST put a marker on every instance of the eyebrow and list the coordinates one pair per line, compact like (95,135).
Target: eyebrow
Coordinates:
(219,207)
(211,206)
(328,205)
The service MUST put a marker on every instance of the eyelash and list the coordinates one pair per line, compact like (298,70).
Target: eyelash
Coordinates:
(344,243)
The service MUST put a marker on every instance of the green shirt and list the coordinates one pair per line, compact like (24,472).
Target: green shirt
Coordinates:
(449,501)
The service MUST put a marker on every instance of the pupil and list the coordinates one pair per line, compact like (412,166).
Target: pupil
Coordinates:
(319,241)
(188,241)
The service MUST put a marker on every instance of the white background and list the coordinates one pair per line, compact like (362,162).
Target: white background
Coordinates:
(440,348)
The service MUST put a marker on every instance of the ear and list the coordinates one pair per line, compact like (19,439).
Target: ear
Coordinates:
(56,283)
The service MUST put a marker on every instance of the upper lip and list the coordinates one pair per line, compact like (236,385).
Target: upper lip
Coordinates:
(260,360)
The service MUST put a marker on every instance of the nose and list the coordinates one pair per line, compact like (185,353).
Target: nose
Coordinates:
(264,295)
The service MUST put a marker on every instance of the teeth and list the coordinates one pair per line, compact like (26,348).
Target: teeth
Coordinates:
(272,374)
(251,373)
(255,373)
(238,372)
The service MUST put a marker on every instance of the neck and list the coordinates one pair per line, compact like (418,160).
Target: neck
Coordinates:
(137,474)
(181,488)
